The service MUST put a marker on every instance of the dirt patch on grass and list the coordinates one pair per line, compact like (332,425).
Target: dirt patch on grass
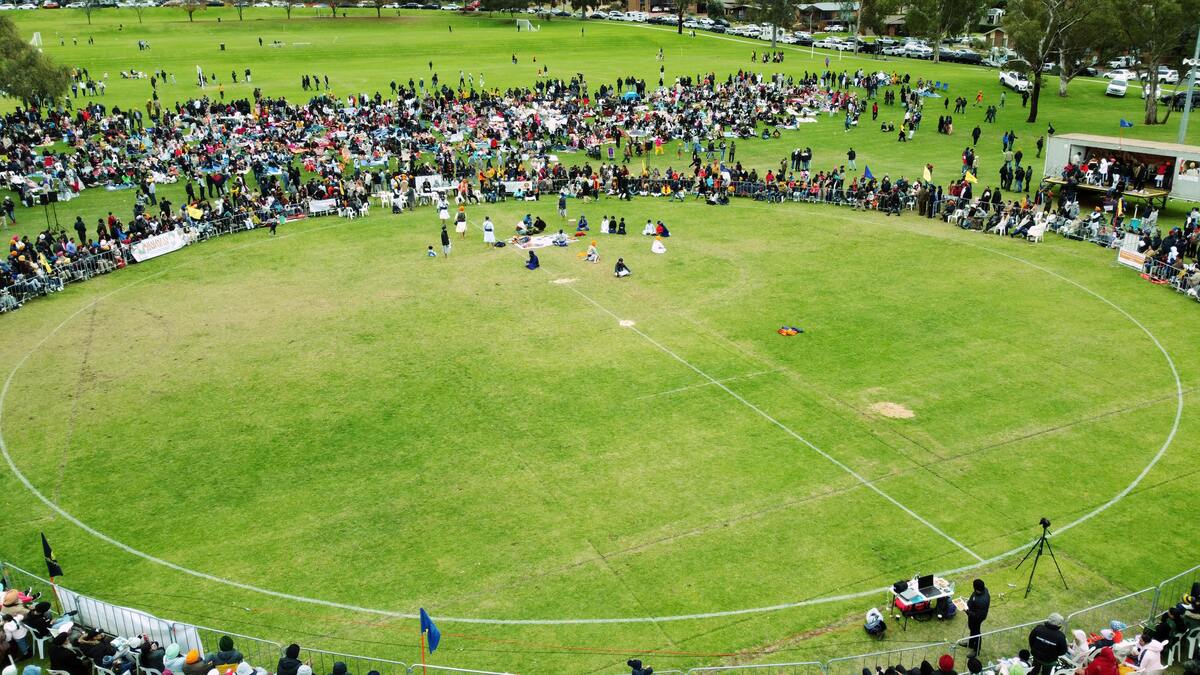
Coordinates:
(892,410)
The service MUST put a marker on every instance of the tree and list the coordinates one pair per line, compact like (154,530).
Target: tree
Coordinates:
(1035,32)
(288,5)
(937,19)
(379,7)
(27,74)
(873,16)
(240,7)
(584,6)
(681,8)
(781,14)
(1087,42)
(193,6)
(1160,31)
(90,6)
(138,9)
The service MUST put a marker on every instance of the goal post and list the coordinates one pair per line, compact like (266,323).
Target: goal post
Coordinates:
(524,24)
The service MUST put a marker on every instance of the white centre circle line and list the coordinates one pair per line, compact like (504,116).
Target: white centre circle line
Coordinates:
(4,450)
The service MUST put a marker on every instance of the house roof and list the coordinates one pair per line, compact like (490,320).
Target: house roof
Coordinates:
(997,29)
(828,6)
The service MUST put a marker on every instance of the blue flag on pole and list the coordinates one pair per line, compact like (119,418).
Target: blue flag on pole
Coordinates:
(427,626)
(1126,124)
(867,173)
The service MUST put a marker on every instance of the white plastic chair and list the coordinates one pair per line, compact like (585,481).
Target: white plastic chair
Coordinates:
(1036,233)
(39,643)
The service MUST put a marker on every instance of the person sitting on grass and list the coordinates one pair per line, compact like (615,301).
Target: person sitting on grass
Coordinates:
(661,230)
(560,239)
(533,263)
(621,269)
(593,254)
(649,229)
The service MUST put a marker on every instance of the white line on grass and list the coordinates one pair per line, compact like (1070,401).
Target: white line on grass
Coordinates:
(786,429)
(554,622)
(709,384)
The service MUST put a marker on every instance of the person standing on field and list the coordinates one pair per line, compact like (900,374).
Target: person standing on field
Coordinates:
(446,244)
(977,611)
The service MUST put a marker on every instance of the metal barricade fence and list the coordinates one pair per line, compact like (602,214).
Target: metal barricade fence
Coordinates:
(15,577)
(255,651)
(1003,642)
(322,663)
(1133,609)
(909,657)
(1171,591)
(797,668)
(417,668)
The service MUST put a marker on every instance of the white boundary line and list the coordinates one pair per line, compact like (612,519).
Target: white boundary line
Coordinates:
(786,429)
(554,622)
(707,384)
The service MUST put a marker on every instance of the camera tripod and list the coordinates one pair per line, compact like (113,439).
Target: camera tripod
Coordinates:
(1043,543)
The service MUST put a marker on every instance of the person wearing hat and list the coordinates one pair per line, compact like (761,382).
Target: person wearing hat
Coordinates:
(946,665)
(339,668)
(39,620)
(172,659)
(1046,644)
(64,657)
(1105,663)
(226,656)
(978,606)
(194,665)
(289,663)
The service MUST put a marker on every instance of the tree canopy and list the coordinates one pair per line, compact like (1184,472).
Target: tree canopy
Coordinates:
(25,72)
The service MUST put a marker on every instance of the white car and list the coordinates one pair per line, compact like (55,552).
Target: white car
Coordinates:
(27,6)
(918,51)
(894,50)
(826,43)
(1121,74)
(1015,81)
(835,28)
(5,8)
(1168,75)
(1117,87)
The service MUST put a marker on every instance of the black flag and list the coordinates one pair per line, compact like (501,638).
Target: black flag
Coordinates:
(52,567)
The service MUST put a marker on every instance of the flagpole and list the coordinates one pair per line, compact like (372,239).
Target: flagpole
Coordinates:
(58,600)
(422,652)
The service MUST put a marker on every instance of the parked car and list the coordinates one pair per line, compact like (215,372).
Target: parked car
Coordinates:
(1179,97)
(1117,87)
(1015,81)
(918,51)
(835,28)
(893,50)
(1121,74)
(1167,75)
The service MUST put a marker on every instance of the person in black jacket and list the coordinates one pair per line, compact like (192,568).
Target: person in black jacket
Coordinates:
(63,657)
(290,663)
(977,611)
(1046,644)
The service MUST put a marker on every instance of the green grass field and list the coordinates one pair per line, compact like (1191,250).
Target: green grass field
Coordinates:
(331,414)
